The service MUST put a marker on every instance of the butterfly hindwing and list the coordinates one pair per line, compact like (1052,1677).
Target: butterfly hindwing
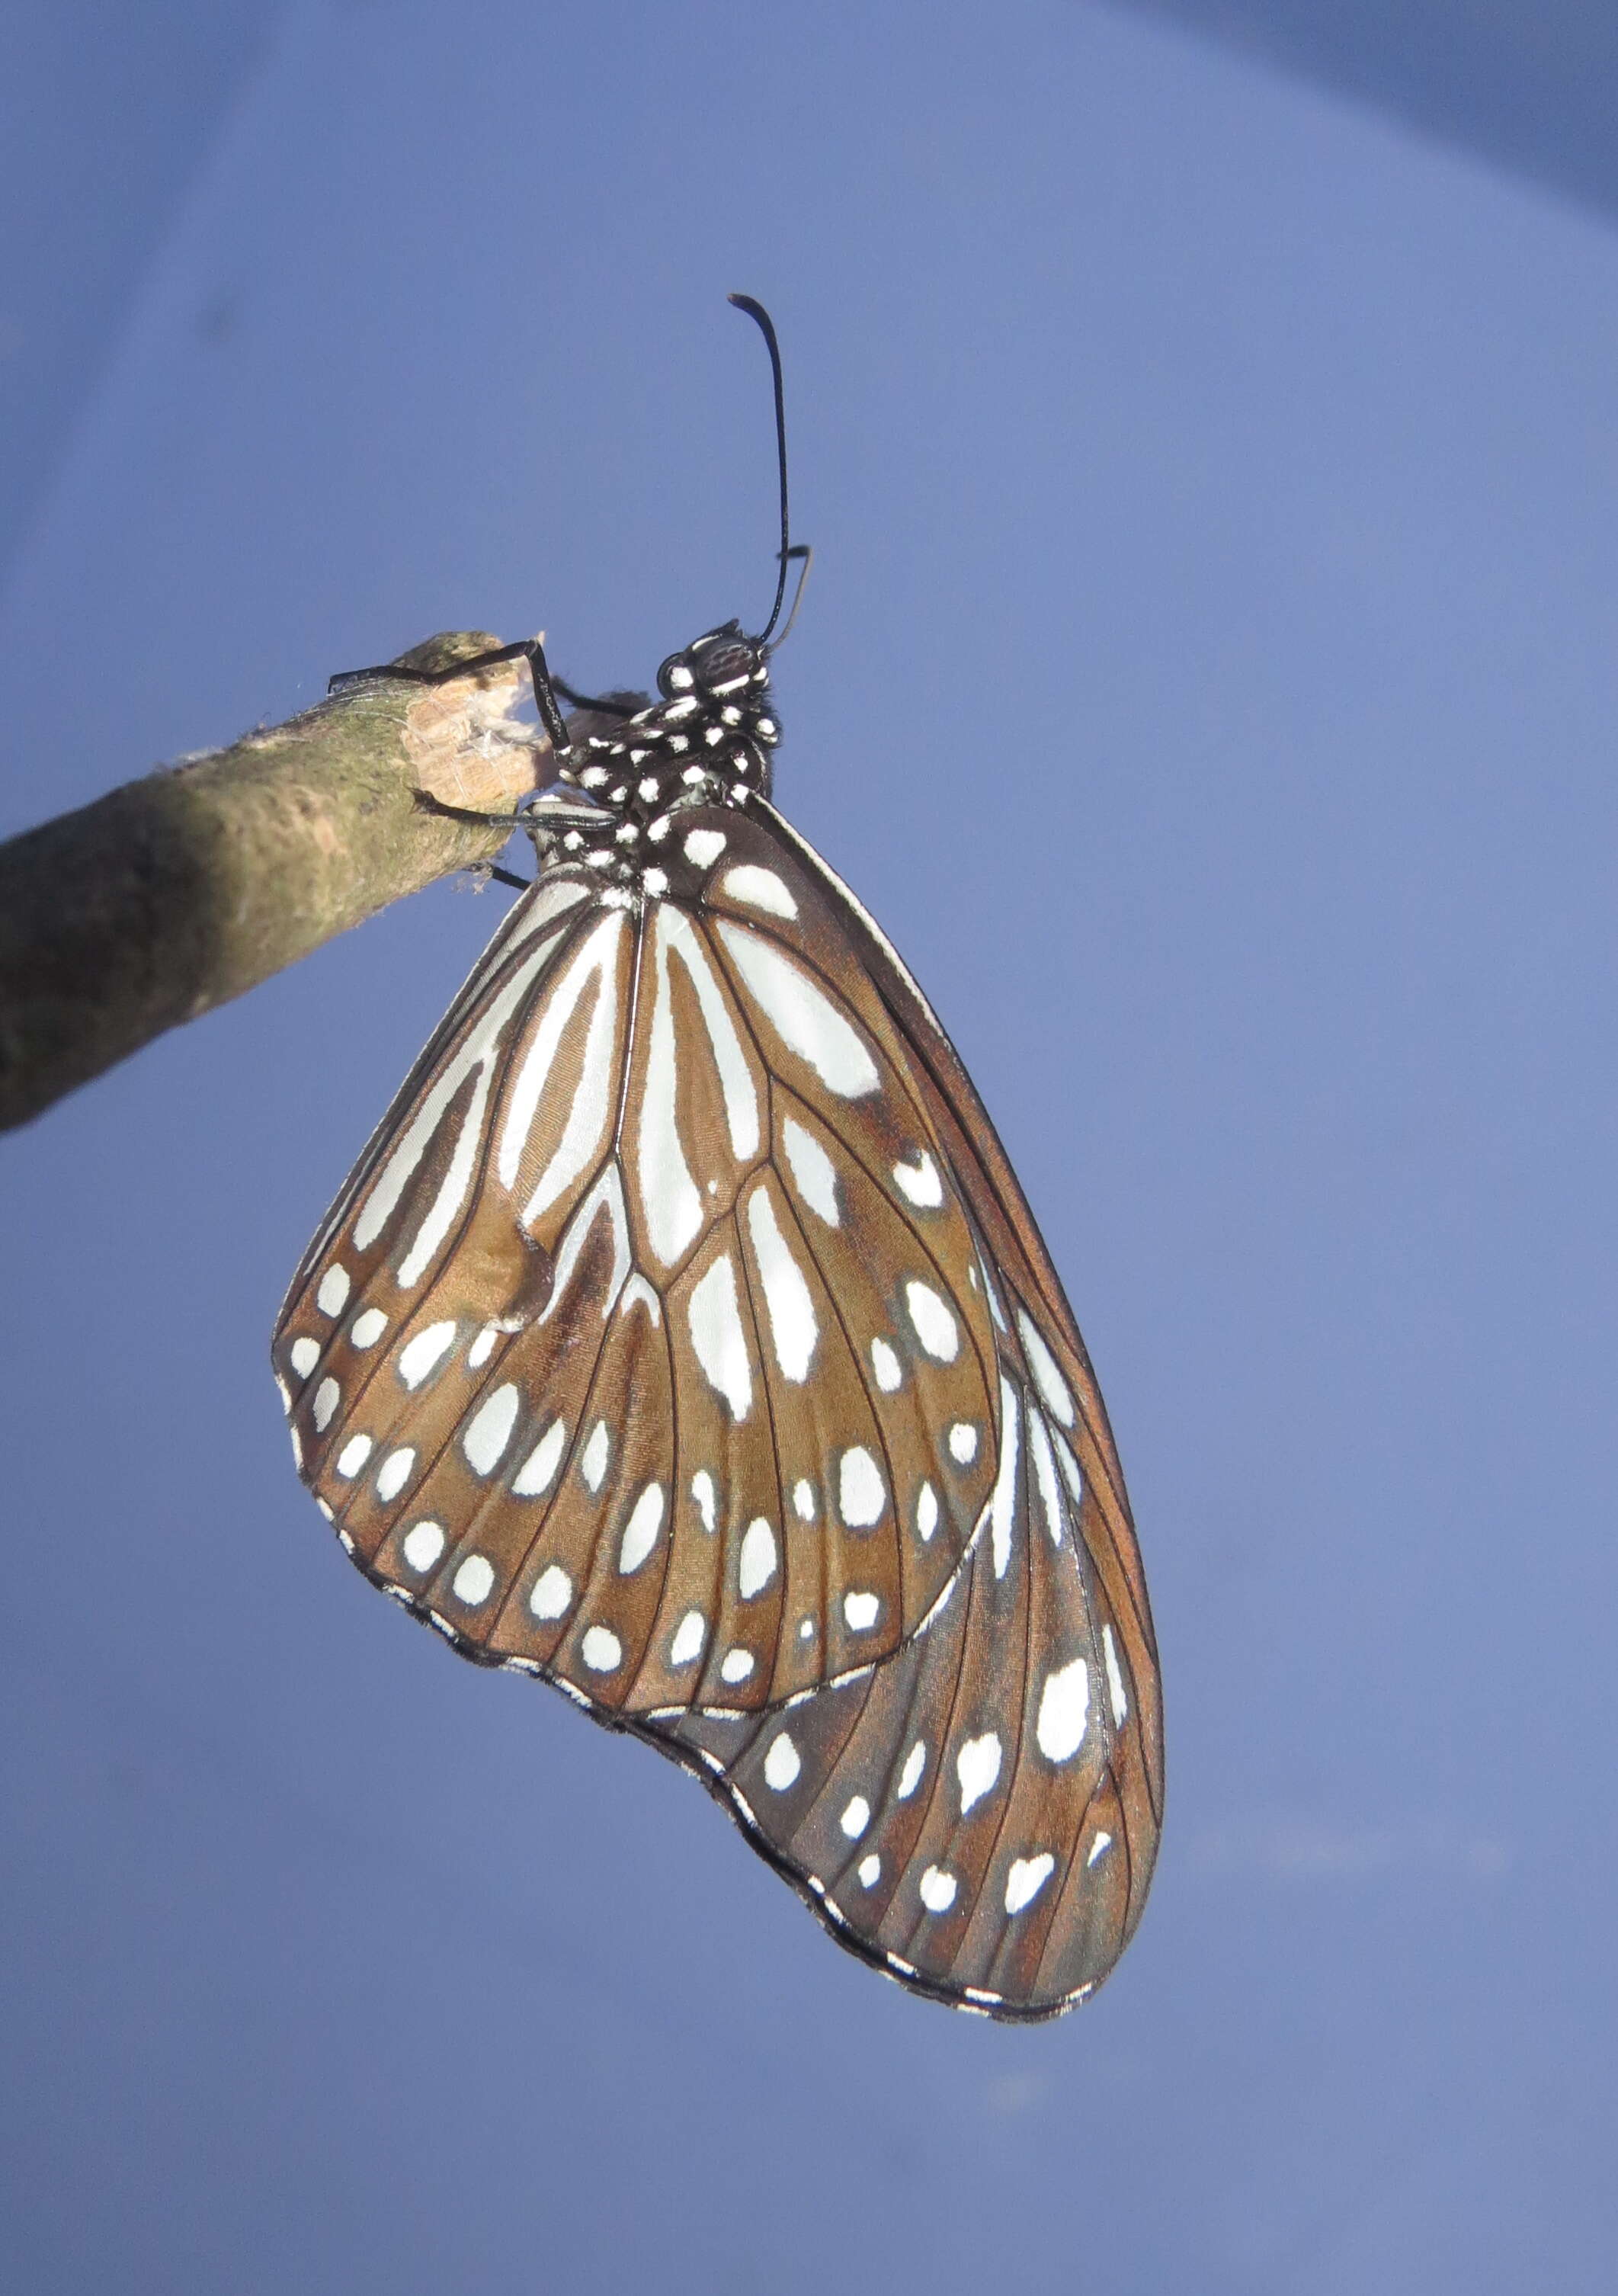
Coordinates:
(972,1813)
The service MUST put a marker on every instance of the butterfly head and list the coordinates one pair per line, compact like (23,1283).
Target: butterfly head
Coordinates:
(707,742)
(723,666)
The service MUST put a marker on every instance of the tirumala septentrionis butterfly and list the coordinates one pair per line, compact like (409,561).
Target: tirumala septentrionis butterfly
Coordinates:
(684,1337)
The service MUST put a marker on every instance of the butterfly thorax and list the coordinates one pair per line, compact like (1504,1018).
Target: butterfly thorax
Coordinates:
(707,741)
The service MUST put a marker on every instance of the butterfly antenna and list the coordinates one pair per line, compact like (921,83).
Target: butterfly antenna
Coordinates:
(761,318)
(798,550)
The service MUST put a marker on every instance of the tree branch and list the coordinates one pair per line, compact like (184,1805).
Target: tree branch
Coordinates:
(179,891)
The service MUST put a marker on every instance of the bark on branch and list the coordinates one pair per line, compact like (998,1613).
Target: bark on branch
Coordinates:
(178,892)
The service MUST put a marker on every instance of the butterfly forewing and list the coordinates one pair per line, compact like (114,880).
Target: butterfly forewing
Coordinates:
(645,1345)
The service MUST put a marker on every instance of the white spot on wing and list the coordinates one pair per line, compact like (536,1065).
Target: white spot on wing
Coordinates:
(393,1474)
(703,1492)
(781,1763)
(934,1326)
(1098,1847)
(870,1871)
(815,866)
(1044,1476)
(607,1196)
(856,1817)
(303,1355)
(814,1174)
(422,1354)
(422,1544)
(1115,1676)
(486,1440)
(704,847)
(920,1183)
(538,1469)
(736,1666)
(600,1650)
(1054,1390)
(553,1592)
(793,1328)
(333,1293)
(992,1290)
(861,1610)
(641,1532)
(756,1566)
(910,1776)
(669,1200)
(718,1338)
(474,1581)
(886,1367)
(730,1061)
(802,1014)
(1069,1466)
(977,1767)
(367,1329)
(926,1513)
(1026,1880)
(476,1052)
(802,1500)
(861,1493)
(590,972)
(760,889)
(938,1889)
(639,1293)
(1064,1711)
(1004,1501)
(598,1450)
(352,1455)
(547,905)
(691,1632)
(327,1397)
(963,1442)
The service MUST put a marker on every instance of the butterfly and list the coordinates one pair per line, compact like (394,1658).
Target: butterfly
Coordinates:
(683,1338)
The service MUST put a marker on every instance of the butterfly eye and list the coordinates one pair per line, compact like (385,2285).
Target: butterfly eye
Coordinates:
(676,676)
(731,663)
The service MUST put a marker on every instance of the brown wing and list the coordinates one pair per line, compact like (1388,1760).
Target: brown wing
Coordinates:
(979,1815)
(642,1348)
(976,1814)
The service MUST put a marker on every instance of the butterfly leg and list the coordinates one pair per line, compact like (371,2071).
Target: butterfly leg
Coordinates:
(545,822)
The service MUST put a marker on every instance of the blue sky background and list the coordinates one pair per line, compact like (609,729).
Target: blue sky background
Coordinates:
(1209,679)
